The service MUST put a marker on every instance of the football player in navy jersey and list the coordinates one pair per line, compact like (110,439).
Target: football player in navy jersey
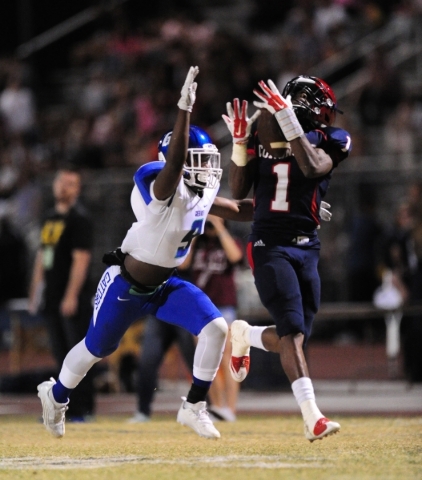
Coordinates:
(283,247)
(171,199)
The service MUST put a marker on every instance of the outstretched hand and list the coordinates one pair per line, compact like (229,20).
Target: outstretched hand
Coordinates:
(271,98)
(237,121)
(188,92)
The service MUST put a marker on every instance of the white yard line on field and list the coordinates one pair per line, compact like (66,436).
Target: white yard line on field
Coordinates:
(230,461)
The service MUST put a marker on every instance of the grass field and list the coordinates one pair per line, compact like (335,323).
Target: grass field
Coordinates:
(253,448)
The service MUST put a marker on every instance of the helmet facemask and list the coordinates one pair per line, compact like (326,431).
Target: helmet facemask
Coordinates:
(202,167)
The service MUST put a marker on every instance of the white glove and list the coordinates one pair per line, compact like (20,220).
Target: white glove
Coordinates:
(281,108)
(324,213)
(188,92)
(239,125)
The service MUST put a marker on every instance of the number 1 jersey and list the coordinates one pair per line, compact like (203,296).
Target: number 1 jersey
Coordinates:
(286,203)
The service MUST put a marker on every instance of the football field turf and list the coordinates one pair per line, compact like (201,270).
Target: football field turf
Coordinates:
(254,447)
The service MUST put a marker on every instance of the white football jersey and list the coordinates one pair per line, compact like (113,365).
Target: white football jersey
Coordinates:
(164,230)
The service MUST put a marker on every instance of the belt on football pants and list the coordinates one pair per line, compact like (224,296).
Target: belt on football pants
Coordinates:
(136,287)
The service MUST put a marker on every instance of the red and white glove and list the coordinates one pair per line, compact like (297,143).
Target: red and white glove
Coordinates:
(240,126)
(188,93)
(237,121)
(281,108)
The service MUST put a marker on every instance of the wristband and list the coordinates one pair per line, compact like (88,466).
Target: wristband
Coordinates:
(289,123)
(240,154)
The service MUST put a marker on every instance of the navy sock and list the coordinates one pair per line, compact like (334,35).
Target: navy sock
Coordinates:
(60,392)
(198,390)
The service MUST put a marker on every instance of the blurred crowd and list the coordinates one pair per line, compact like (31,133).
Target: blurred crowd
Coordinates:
(122,82)
(117,95)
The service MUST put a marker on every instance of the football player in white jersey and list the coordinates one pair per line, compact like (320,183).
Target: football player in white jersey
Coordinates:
(171,199)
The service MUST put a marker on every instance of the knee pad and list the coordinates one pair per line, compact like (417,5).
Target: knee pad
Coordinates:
(209,350)
(217,329)
(76,365)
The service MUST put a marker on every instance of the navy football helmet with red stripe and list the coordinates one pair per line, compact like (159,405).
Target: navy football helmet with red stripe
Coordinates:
(314,101)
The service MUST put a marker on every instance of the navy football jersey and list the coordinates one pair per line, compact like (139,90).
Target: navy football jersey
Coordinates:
(286,202)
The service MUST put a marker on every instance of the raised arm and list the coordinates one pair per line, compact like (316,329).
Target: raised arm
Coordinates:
(241,170)
(169,177)
(313,162)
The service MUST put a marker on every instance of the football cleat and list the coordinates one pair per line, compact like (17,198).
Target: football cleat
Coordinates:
(323,428)
(240,360)
(53,413)
(195,416)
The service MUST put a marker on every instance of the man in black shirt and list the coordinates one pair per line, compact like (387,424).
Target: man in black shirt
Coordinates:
(62,267)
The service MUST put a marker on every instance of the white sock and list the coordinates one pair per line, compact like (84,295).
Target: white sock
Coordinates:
(303,391)
(255,338)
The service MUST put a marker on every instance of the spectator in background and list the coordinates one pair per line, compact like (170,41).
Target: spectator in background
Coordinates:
(400,137)
(62,266)
(365,238)
(379,98)
(13,277)
(328,15)
(95,94)
(399,254)
(25,206)
(80,147)
(212,261)
(13,256)
(17,107)
(412,326)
